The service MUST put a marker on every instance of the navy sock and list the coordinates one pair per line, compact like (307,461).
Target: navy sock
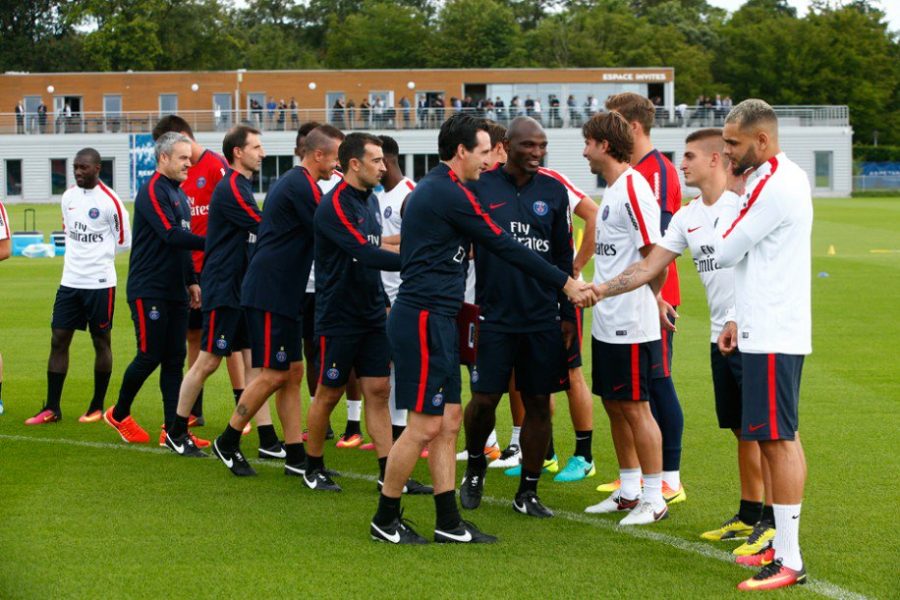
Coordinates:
(230,440)
(446,511)
(267,436)
(179,426)
(528,481)
(388,510)
(54,390)
(382,464)
(667,412)
(583,444)
(397,431)
(750,512)
(551,451)
(101,384)
(314,463)
(197,409)
(237,395)
(768,515)
(296,454)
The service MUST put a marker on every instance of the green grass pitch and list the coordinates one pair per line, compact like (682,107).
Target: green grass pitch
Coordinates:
(84,515)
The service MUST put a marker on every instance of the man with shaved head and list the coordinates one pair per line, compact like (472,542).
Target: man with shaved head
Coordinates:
(526,324)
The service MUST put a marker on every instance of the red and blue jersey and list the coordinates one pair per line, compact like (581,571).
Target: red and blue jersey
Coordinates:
(349,293)
(442,218)
(537,215)
(160,263)
(202,180)
(234,219)
(662,176)
(279,268)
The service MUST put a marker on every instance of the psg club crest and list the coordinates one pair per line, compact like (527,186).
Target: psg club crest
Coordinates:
(201,182)
(540,208)
(94,213)
(474,376)
(281,355)
(378,217)
(438,399)
(221,343)
(388,211)
(332,373)
(153,314)
(605,212)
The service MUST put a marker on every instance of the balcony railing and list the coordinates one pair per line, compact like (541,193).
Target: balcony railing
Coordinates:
(384,119)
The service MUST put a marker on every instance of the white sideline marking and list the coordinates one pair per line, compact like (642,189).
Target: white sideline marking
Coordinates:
(817,586)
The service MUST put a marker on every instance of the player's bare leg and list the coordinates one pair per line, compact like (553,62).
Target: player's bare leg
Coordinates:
(421,430)
(750,469)
(290,405)
(376,391)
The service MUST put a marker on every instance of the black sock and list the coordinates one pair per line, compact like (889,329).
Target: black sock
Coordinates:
(314,463)
(230,440)
(478,463)
(237,395)
(296,454)
(551,451)
(446,511)
(267,436)
(101,384)
(382,464)
(352,428)
(54,390)
(528,481)
(583,444)
(388,510)
(179,426)
(750,512)
(768,515)
(197,409)
(397,431)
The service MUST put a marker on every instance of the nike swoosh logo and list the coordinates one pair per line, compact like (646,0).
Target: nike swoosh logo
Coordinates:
(658,515)
(228,462)
(531,478)
(458,538)
(177,448)
(694,229)
(395,537)
(295,469)
(616,388)
(796,517)
(563,380)
(498,205)
(580,438)
(312,485)
(756,427)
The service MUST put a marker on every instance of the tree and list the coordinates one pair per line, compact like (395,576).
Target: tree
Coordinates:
(382,35)
(476,34)
(38,36)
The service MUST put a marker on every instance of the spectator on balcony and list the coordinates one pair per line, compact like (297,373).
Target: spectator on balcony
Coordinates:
(270,108)
(439,108)
(378,111)
(365,111)
(404,107)
(555,121)
(500,110)
(295,119)
(572,105)
(20,117)
(256,109)
(337,113)
(529,106)
(536,109)
(42,117)
(350,109)
(421,112)
(282,113)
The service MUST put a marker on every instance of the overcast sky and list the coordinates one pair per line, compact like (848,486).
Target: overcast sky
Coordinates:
(890,7)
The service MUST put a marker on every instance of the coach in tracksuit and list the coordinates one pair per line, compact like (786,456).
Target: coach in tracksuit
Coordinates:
(161,282)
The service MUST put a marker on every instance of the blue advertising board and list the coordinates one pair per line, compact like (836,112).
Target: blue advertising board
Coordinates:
(143,162)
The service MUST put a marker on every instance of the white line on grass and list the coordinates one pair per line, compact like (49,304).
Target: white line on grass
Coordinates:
(818,586)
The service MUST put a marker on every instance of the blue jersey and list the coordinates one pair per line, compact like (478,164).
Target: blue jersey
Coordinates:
(276,278)
(441,219)
(160,264)
(349,294)
(232,224)
(538,216)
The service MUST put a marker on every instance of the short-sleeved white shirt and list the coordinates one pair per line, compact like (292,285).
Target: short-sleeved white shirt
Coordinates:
(5,233)
(325,185)
(697,226)
(96,224)
(626,223)
(768,243)
(389,204)
(575,195)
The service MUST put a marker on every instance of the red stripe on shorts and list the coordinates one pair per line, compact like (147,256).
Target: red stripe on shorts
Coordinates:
(321,358)
(212,330)
(773,399)
(111,300)
(423,358)
(267,339)
(635,373)
(665,354)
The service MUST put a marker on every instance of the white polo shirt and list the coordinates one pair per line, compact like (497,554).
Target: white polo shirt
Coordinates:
(96,224)
(768,244)
(696,226)
(626,223)
(389,204)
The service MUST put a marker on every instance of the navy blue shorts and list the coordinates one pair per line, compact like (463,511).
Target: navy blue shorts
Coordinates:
(368,353)
(573,355)
(539,360)
(76,309)
(224,331)
(195,319)
(726,376)
(275,340)
(771,396)
(661,355)
(425,350)
(161,328)
(621,371)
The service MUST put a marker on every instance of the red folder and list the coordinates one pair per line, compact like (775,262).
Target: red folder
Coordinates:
(467,324)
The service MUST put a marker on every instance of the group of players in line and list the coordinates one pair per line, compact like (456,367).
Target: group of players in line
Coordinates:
(384,313)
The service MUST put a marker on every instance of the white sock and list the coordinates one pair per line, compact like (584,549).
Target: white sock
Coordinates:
(492,439)
(514,438)
(673,479)
(631,483)
(653,490)
(787,535)
(354,410)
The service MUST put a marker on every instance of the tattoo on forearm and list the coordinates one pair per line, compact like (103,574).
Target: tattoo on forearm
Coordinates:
(241,410)
(623,282)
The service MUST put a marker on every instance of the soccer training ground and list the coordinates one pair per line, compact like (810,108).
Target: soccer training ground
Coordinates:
(84,515)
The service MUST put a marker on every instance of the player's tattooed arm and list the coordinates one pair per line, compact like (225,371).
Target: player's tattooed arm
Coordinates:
(241,410)
(651,269)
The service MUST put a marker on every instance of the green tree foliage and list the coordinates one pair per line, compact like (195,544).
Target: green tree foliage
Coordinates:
(382,35)
(476,33)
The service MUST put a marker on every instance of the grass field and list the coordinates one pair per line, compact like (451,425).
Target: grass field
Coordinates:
(84,515)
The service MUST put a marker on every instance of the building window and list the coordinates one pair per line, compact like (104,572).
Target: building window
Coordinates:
(824,169)
(112,105)
(168,104)
(273,167)
(58,173)
(422,163)
(106,172)
(14,177)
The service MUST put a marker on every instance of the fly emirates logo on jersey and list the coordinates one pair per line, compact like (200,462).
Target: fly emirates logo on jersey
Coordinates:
(198,211)
(706,262)
(79,232)
(522,233)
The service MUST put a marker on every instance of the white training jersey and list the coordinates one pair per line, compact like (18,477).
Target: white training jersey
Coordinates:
(5,233)
(326,186)
(575,195)
(698,226)
(96,224)
(768,243)
(389,204)
(627,222)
